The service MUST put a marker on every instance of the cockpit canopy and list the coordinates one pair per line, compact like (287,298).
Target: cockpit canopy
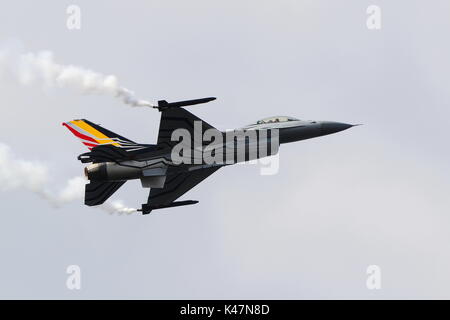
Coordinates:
(276,119)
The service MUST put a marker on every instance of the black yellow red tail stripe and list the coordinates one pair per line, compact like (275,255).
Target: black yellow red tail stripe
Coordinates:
(92,135)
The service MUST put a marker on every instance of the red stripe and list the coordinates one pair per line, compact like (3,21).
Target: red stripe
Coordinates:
(80,135)
(89,144)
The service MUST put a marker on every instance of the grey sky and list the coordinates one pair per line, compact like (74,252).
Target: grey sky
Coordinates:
(374,194)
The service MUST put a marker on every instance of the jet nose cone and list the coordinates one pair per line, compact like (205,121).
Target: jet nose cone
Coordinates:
(333,127)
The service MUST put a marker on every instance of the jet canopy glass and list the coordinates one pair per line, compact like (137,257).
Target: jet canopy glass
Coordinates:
(276,119)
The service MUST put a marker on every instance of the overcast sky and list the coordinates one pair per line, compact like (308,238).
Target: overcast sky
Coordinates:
(376,194)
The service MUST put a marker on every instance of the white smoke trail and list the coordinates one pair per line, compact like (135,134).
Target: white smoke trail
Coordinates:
(117,206)
(41,68)
(33,176)
(20,174)
(74,190)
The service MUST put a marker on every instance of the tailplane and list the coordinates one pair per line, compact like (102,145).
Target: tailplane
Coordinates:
(98,192)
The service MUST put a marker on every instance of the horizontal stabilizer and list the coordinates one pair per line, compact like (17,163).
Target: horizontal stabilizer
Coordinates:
(98,192)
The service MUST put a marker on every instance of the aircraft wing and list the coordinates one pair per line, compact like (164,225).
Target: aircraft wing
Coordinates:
(178,118)
(177,183)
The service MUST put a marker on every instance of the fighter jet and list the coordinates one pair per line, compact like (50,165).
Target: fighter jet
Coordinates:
(188,150)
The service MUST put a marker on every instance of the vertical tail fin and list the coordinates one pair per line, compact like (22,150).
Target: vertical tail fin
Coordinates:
(92,135)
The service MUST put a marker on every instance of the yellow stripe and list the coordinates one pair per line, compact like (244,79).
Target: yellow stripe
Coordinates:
(100,137)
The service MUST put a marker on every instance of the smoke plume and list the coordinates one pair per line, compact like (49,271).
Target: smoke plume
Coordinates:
(33,176)
(40,68)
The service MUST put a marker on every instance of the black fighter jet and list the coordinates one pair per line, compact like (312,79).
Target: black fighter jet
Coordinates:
(188,150)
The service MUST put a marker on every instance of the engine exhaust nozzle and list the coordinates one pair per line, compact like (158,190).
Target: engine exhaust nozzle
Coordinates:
(110,171)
